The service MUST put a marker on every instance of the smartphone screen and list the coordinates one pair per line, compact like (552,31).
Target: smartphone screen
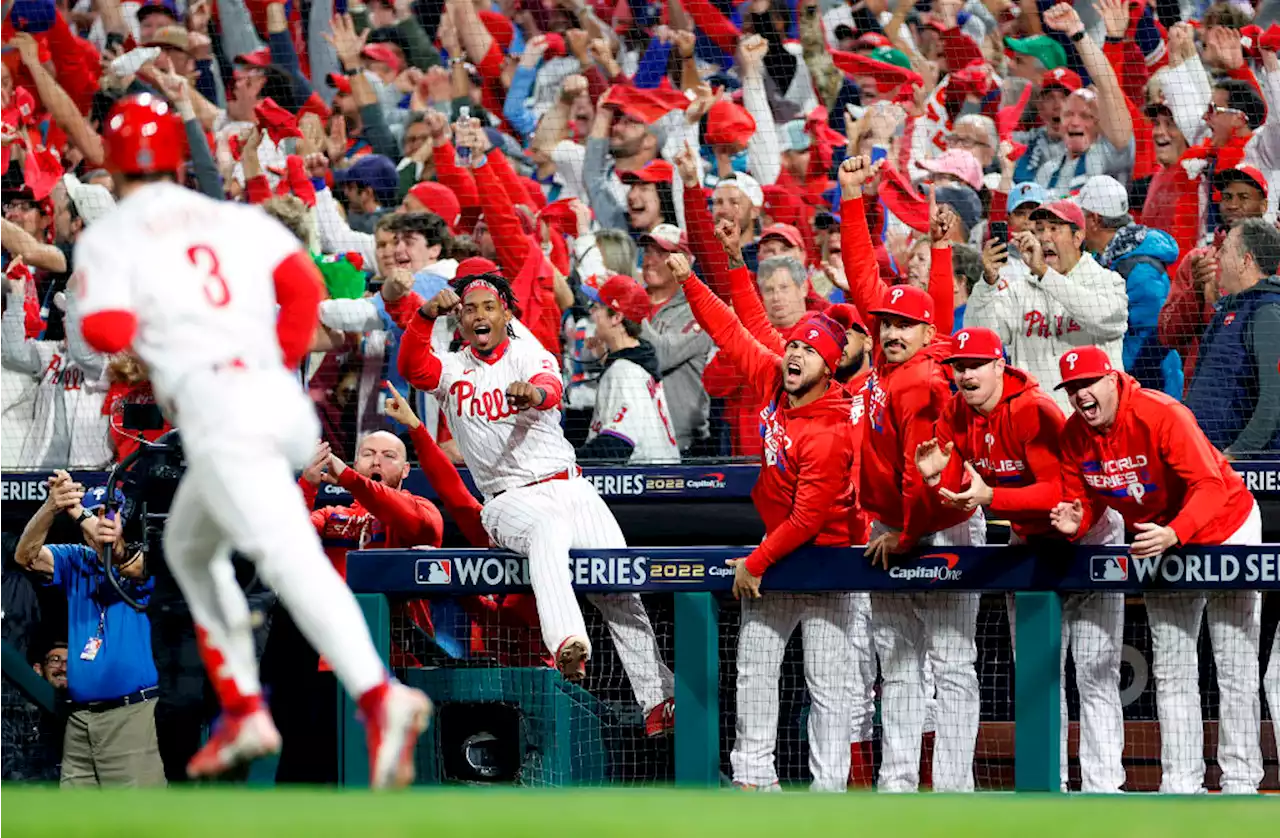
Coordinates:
(999,230)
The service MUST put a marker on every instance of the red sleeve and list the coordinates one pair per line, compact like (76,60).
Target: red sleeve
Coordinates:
(942,289)
(460,180)
(416,362)
(1130,66)
(1187,451)
(745,297)
(1074,487)
(918,404)
(720,378)
(258,189)
(490,66)
(299,182)
(299,289)
(709,257)
(309,492)
(714,24)
(952,476)
(511,183)
(404,308)
(859,257)
(109,331)
(504,225)
(461,505)
(1039,428)
(552,386)
(760,367)
(1185,314)
(999,200)
(823,465)
(413,519)
(76,75)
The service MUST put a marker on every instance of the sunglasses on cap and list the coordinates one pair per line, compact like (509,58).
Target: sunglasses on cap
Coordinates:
(1216,109)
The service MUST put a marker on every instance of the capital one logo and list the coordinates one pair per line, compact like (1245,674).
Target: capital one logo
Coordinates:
(895,295)
(962,338)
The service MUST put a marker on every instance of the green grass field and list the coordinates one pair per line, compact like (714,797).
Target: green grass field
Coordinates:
(648,813)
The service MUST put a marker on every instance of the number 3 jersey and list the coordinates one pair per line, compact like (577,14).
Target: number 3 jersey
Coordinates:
(631,407)
(197,275)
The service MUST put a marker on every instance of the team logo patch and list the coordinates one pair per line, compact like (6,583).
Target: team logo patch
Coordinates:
(433,571)
(1109,568)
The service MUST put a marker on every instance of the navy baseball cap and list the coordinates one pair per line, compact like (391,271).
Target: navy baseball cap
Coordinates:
(150,7)
(374,171)
(33,16)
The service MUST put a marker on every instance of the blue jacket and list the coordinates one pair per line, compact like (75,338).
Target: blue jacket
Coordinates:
(1224,392)
(1145,268)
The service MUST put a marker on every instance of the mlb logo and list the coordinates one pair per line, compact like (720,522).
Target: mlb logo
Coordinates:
(433,571)
(1109,568)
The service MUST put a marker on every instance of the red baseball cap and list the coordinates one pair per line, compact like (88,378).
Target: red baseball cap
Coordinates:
(440,199)
(1083,363)
(257,58)
(786,232)
(847,316)
(906,301)
(339,82)
(625,296)
(1064,210)
(474,266)
(1243,174)
(727,124)
(384,53)
(976,344)
(655,171)
(1061,77)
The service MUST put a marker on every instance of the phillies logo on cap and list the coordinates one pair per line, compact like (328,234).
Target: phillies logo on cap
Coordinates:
(1071,360)
(895,295)
(962,338)
(813,334)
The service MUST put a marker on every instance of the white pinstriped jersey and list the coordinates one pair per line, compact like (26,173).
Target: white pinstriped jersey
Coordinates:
(504,448)
(630,406)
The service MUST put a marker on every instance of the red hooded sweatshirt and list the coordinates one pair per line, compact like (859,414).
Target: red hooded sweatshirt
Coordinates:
(1015,449)
(803,494)
(1154,465)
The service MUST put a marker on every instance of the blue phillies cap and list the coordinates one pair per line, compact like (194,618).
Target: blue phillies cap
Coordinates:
(374,171)
(33,16)
(1027,192)
(168,7)
(97,497)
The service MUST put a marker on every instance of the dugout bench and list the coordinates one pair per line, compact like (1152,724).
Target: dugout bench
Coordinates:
(695,574)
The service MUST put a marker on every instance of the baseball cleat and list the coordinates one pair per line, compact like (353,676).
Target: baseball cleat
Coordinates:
(661,720)
(236,740)
(773,787)
(571,659)
(392,730)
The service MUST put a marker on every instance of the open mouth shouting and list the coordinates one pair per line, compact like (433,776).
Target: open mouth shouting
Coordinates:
(792,371)
(1050,252)
(1087,407)
(483,332)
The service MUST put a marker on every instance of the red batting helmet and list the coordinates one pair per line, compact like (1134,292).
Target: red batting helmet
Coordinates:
(144,136)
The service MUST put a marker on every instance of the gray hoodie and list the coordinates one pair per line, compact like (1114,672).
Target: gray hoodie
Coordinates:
(683,349)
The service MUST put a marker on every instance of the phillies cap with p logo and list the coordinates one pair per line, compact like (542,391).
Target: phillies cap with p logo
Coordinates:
(906,301)
(1087,362)
(975,344)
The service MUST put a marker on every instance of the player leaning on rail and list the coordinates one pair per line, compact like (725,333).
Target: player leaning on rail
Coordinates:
(1001,432)
(805,496)
(1141,453)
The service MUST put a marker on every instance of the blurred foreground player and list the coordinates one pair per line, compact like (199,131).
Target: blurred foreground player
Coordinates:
(1141,453)
(501,397)
(193,285)
(1002,431)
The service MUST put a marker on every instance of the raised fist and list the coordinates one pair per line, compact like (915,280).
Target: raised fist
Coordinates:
(522,395)
(442,303)
(855,172)
(678,264)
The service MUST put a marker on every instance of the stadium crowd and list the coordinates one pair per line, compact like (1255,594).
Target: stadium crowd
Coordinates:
(1060,177)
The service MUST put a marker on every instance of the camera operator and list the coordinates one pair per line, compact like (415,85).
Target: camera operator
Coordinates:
(110,738)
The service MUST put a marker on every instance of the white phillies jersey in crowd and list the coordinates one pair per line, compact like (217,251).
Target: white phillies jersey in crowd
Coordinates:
(630,406)
(503,447)
(197,273)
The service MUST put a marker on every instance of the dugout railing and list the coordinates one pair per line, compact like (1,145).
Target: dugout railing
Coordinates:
(695,576)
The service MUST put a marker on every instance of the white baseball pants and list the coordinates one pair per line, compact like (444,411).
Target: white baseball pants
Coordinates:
(942,627)
(862,669)
(767,624)
(1235,623)
(1093,628)
(544,522)
(239,493)
(1271,683)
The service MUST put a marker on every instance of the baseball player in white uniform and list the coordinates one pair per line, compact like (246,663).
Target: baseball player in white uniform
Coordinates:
(501,397)
(630,423)
(194,285)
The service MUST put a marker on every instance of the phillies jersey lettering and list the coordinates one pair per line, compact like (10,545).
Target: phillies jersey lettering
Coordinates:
(773,433)
(354,532)
(1038,325)
(1003,471)
(59,373)
(1122,477)
(878,398)
(504,448)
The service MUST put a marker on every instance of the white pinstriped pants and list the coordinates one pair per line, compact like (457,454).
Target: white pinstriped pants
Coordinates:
(1093,627)
(942,627)
(862,668)
(767,625)
(544,522)
(1235,623)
